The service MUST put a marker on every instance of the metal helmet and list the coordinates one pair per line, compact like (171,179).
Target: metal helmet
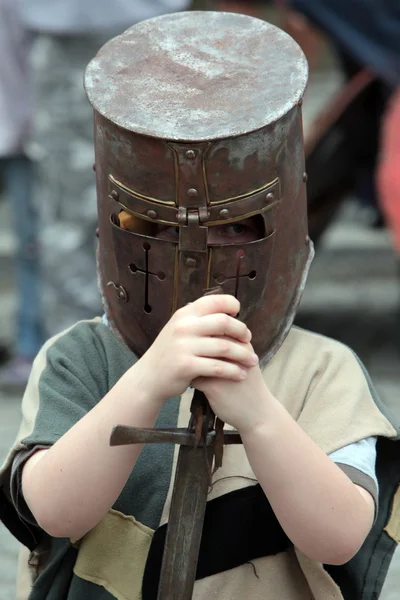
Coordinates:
(197,120)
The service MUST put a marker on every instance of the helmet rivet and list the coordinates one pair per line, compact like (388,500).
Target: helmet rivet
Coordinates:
(191,262)
(192,192)
(151,214)
(114,195)
(305,177)
(269,197)
(224,213)
(190,154)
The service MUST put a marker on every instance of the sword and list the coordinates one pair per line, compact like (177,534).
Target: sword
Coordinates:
(201,444)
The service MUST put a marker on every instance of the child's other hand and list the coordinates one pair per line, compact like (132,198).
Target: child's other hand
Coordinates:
(202,339)
(243,404)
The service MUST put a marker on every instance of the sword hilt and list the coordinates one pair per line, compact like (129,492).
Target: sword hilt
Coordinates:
(202,421)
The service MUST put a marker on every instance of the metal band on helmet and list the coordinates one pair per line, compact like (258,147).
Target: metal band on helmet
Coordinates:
(198,123)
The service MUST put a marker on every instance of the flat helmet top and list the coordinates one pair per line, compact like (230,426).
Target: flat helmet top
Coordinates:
(196,76)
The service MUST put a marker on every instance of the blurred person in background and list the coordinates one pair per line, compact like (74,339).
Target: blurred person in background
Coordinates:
(16,176)
(365,33)
(68,33)
(368,32)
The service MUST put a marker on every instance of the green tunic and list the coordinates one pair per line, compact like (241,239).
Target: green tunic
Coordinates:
(320,383)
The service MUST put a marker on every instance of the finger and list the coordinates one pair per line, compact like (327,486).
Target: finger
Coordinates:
(216,303)
(222,324)
(221,369)
(226,349)
(199,382)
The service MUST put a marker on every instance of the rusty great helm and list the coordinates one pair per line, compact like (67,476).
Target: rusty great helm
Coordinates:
(197,120)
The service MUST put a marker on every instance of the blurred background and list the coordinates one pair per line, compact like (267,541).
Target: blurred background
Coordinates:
(47,186)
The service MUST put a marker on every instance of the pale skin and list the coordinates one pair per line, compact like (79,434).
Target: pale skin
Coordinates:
(326,516)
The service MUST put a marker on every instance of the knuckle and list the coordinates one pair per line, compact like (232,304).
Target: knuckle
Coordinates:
(229,304)
(237,373)
(179,313)
(222,321)
(182,326)
(217,302)
(204,301)
(236,302)
(243,327)
(223,347)
(243,331)
(240,349)
(179,328)
(218,369)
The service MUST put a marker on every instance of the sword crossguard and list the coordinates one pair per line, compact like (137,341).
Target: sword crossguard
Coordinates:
(123,435)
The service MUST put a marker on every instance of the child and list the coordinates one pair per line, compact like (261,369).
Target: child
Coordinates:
(200,176)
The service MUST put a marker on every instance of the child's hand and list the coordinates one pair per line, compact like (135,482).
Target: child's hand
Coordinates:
(203,339)
(243,404)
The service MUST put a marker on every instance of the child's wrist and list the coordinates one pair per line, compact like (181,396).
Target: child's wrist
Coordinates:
(267,417)
(144,380)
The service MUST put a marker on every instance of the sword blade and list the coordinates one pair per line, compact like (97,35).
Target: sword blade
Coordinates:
(185,525)
(122,435)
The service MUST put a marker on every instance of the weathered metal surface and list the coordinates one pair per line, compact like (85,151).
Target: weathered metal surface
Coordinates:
(197,76)
(200,183)
(153,209)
